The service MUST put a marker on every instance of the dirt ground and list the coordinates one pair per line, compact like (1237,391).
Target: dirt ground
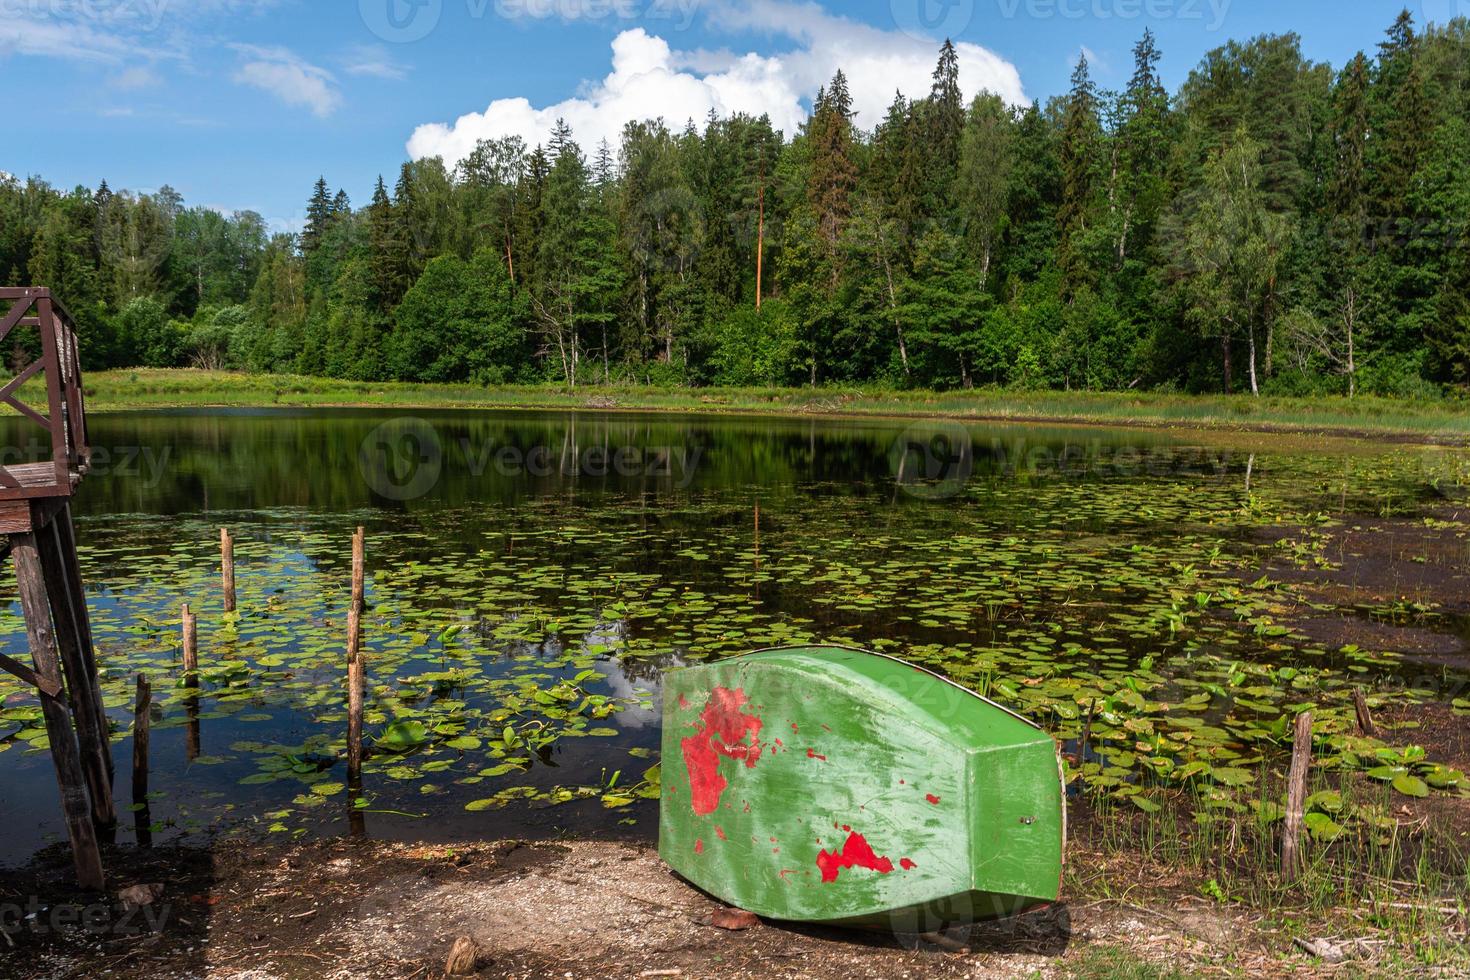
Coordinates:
(364,909)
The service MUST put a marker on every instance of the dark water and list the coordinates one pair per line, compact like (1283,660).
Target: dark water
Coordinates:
(528,567)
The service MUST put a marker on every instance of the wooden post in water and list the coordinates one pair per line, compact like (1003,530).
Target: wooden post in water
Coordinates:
(227,567)
(189,626)
(354,659)
(141,708)
(1296,796)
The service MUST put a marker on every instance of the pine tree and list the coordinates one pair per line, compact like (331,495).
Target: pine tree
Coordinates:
(318,218)
(944,124)
(1078,157)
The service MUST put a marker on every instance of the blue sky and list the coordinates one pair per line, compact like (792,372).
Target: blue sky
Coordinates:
(242,103)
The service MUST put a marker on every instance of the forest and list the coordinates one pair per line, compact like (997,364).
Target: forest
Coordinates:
(1275,226)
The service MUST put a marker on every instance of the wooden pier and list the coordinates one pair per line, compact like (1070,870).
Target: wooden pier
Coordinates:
(35,520)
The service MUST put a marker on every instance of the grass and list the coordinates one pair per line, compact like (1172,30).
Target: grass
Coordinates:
(1446,421)
(1406,888)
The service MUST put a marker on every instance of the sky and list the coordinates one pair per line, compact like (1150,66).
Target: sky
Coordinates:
(242,104)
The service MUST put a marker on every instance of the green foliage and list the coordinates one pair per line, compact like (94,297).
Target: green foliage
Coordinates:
(458,323)
(1307,223)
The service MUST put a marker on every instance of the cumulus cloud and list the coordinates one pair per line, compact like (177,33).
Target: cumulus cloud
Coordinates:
(289,78)
(651,79)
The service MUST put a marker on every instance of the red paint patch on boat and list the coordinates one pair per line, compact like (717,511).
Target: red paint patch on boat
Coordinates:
(722,730)
(812,754)
(793,727)
(699,847)
(907,864)
(785,872)
(856,853)
(683,701)
(932,799)
(720,832)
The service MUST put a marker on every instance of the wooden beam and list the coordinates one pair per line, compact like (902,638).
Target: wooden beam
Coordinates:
(91,721)
(45,685)
(70,780)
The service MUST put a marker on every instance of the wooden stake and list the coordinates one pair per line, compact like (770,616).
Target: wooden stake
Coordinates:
(93,740)
(1365,717)
(1296,796)
(141,708)
(31,583)
(354,657)
(227,567)
(191,641)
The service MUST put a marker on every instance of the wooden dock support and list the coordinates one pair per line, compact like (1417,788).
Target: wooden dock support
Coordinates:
(83,692)
(70,777)
(355,672)
(35,516)
(227,567)
(142,707)
(1296,796)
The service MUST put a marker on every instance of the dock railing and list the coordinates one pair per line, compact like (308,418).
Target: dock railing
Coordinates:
(23,309)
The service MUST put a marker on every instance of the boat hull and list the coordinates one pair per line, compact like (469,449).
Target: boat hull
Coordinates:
(822,784)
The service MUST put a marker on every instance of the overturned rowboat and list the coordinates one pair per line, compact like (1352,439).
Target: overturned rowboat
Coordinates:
(822,784)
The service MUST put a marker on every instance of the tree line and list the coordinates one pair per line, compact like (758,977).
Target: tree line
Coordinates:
(1275,225)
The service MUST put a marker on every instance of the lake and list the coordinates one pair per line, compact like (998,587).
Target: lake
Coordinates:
(532,574)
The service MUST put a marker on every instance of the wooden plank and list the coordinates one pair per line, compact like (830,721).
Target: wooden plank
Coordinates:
(91,720)
(45,685)
(69,777)
(51,354)
(15,315)
(1296,796)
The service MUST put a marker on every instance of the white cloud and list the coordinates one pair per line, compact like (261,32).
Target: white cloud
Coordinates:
(132,79)
(54,38)
(373,61)
(650,79)
(289,78)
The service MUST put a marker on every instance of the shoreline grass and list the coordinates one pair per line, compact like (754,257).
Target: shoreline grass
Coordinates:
(1441,422)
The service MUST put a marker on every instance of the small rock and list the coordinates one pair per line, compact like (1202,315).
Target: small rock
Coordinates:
(734,919)
(137,896)
(465,957)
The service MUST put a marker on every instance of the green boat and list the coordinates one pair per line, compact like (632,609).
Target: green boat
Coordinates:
(822,784)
